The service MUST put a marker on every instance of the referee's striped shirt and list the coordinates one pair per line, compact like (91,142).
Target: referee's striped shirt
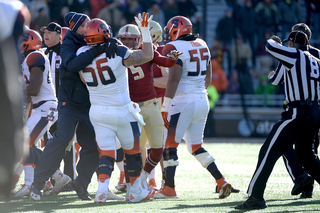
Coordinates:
(278,77)
(301,73)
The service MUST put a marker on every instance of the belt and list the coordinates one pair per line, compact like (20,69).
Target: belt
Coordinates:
(141,104)
(34,106)
(307,102)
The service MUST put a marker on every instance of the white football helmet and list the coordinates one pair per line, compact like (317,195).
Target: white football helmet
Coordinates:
(155,31)
(130,36)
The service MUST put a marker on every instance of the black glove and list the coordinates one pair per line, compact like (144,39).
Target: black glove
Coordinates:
(111,48)
(98,50)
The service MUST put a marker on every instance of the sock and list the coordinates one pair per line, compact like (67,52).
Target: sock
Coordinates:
(28,174)
(169,176)
(213,169)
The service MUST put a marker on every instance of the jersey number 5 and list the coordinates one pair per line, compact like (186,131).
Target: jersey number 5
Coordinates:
(101,68)
(194,57)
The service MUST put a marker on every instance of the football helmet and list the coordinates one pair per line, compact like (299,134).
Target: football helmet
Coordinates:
(130,36)
(96,31)
(30,40)
(176,27)
(155,31)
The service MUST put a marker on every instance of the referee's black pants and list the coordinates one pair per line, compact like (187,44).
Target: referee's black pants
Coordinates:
(299,125)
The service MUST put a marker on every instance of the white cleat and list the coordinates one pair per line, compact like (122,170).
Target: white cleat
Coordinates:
(23,191)
(113,196)
(141,194)
(61,181)
(35,196)
(101,197)
(47,188)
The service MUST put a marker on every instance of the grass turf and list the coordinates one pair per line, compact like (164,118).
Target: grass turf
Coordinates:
(194,186)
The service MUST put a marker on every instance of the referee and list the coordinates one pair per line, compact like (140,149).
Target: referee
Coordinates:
(299,122)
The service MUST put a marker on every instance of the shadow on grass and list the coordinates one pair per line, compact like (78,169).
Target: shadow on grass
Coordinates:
(295,203)
(51,203)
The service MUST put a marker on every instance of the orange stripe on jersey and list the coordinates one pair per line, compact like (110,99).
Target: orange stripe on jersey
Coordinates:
(195,147)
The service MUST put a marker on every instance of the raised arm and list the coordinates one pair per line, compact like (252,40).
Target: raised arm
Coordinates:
(144,55)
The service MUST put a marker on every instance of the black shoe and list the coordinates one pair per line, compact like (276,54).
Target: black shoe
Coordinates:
(252,203)
(300,184)
(81,191)
(67,188)
(233,190)
(306,194)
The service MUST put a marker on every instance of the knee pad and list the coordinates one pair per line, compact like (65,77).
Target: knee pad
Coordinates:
(170,157)
(106,165)
(134,164)
(120,155)
(203,157)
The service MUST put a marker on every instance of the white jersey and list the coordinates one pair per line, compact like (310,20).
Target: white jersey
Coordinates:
(35,59)
(106,80)
(195,58)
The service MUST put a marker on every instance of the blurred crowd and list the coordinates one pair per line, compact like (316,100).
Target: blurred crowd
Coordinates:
(240,61)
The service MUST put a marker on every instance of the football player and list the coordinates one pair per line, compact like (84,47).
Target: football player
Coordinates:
(185,106)
(40,92)
(142,91)
(112,113)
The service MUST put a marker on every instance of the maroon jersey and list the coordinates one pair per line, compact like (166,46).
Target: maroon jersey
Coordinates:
(157,74)
(141,86)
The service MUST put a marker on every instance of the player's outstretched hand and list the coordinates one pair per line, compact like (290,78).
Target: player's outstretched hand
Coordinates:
(174,54)
(111,48)
(143,21)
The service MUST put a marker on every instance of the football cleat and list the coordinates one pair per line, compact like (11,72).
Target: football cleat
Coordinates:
(165,192)
(47,188)
(252,203)
(233,190)
(141,194)
(225,187)
(152,184)
(113,196)
(61,181)
(23,191)
(35,193)
(101,196)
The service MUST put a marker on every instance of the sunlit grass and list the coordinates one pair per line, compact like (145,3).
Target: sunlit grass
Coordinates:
(194,186)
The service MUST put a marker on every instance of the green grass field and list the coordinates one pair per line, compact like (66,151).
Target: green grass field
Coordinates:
(194,187)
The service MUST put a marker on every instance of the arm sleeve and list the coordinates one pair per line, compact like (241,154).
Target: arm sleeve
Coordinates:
(71,61)
(286,55)
(36,59)
(277,78)
(162,60)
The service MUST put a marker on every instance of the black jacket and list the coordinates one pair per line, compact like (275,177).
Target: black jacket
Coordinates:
(72,90)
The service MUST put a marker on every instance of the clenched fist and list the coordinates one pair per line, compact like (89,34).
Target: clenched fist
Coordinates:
(276,39)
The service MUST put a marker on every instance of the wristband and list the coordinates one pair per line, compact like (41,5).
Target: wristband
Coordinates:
(145,35)
(166,104)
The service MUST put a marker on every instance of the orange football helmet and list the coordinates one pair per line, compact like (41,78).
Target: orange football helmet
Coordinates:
(63,32)
(30,40)
(96,31)
(176,27)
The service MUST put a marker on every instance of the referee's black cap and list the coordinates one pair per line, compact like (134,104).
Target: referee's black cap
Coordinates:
(52,27)
(297,37)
